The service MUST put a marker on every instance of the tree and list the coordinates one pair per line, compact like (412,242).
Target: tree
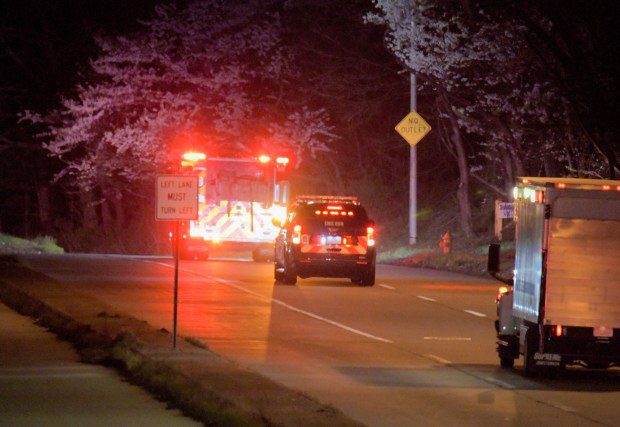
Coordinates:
(501,99)
(211,75)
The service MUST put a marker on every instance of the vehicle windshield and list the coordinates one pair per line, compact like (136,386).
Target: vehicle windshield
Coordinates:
(238,180)
(318,217)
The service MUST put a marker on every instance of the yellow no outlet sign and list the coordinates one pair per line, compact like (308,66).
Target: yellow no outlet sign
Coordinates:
(177,198)
(413,128)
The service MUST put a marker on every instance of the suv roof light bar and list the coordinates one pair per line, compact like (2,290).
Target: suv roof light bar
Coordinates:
(323,199)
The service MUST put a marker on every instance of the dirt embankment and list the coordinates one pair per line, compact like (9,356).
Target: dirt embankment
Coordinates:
(202,384)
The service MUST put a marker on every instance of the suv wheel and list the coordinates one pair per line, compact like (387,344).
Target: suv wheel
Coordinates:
(289,276)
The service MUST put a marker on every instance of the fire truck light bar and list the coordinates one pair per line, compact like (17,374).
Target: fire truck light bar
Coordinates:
(194,157)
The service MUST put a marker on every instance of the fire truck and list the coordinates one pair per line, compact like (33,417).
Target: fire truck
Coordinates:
(238,199)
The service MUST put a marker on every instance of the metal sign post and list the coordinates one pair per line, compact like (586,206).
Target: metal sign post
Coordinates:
(176,282)
(177,200)
(413,128)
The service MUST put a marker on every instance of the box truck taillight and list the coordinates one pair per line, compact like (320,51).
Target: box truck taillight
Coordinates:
(502,291)
(558,330)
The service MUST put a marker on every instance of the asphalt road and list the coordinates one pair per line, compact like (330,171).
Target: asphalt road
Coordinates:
(416,349)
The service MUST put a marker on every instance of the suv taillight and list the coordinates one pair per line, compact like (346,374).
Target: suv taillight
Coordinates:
(297,234)
(370,233)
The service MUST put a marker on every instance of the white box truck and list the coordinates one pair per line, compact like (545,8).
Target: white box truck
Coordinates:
(563,307)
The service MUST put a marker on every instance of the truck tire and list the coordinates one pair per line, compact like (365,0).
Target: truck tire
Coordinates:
(506,361)
(367,277)
(529,348)
(507,353)
(277,275)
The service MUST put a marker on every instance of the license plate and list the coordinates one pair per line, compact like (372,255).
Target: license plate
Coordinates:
(333,240)
(603,332)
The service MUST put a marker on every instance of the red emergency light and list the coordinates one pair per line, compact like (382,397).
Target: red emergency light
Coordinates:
(263,158)
(194,156)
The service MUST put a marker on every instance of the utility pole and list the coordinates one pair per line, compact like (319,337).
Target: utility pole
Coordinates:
(413,172)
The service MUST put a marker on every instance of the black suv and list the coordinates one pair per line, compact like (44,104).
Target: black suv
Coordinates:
(326,236)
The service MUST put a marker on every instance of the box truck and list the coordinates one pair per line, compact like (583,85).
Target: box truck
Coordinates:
(563,303)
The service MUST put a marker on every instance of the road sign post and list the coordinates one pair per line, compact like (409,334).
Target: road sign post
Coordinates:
(177,200)
(413,128)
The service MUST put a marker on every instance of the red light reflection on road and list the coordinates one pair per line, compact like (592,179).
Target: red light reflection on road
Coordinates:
(219,313)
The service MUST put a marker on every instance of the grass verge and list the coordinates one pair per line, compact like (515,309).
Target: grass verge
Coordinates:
(39,245)
(472,262)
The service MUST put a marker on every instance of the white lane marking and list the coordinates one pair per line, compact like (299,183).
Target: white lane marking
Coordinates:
(35,372)
(438,359)
(392,288)
(426,298)
(161,263)
(448,338)
(475,313)
(42,376)
(232,284)
(499,383)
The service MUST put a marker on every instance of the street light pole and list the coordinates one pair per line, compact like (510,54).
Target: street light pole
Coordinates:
(413,167)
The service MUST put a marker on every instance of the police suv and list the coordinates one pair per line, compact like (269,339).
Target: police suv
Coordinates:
(326,236)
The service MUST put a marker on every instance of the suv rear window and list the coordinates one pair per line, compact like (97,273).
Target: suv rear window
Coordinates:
(318,217)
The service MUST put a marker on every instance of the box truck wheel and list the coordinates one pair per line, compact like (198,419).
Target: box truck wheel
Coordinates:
(506,358)
(529,348)
(509,352)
